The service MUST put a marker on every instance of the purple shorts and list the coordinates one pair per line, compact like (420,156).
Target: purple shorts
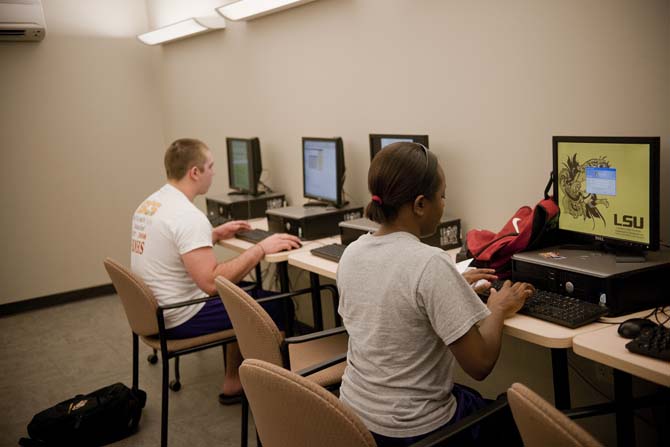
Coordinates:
(469,401)
(214,318)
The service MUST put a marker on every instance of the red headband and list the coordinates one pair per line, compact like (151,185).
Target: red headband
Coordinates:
(377,199)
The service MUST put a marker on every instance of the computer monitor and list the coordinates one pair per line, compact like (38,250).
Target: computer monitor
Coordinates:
(379,141)
(607,189)
(244,164)
(323,169)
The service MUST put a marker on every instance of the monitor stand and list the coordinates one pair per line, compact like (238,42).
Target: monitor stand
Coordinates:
(323,204)
(621,255)
(240,193)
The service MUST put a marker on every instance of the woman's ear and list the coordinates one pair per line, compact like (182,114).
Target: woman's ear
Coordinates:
(419,206)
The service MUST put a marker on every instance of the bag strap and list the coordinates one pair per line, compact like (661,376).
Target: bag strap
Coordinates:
(550,183)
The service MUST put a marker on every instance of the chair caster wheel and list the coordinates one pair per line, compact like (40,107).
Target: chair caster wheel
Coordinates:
(175,385)
(152,358)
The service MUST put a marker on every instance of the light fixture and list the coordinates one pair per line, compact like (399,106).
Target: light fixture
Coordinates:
(182,29)
(251,9)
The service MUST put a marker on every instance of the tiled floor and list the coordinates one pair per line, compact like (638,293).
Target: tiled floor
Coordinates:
(53,354)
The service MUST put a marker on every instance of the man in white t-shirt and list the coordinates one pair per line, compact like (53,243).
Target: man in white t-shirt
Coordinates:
(172,251)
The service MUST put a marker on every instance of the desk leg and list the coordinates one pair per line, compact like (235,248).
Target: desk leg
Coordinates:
(623,399)
(317,311)
(282,270)
(559,366)
(259,277)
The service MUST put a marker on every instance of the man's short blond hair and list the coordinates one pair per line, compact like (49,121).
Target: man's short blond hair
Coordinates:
(182,155)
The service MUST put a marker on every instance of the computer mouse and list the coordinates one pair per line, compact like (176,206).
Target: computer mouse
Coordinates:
(633,327)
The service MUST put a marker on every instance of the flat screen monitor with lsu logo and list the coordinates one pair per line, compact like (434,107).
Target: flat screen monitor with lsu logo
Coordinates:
(607,189)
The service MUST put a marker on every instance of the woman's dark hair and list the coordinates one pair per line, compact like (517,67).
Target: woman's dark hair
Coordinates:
(399,174)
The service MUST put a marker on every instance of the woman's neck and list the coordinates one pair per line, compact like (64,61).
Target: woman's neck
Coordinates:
(402,222)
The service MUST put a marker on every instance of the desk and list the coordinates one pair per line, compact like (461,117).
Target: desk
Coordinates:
(539,332)
(607,347)
(281,260)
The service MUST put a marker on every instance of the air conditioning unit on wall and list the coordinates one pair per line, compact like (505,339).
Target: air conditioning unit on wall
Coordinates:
(22,21)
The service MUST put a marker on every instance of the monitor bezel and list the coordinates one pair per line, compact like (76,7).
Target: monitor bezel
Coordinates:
(254,160)
(375,140)
(340,169)
(654,193)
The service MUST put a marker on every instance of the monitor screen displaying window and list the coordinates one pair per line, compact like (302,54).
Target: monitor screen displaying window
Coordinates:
(240,169)
(323,169)
(607,188)
(244,164)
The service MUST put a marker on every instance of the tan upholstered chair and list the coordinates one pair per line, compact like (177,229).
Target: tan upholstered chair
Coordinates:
(259,338)
(146,322)
(290,410)
(541,424)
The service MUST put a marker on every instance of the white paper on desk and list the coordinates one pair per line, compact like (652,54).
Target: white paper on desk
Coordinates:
(463,266)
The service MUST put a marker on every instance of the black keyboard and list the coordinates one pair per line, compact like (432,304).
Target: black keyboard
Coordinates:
(556,308)
(560,309)
(652,342)
(254,236)
(332,252)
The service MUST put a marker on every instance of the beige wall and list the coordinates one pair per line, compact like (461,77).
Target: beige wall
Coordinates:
(490,82)
(81,141)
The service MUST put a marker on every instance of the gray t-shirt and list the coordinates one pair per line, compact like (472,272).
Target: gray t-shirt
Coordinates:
(402,303)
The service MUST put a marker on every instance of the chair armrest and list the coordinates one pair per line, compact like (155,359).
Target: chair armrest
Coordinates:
(315,335)
(188,302)
(440,436)
(281,296)
(323,365)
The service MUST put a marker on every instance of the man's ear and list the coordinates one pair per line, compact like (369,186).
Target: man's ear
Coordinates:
(419,206)
(193,172)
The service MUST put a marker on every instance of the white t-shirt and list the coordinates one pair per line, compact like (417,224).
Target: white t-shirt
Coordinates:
(402,302)
(165,226)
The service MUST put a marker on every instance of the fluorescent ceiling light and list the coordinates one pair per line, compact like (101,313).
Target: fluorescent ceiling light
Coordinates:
(180,30)
(251,9)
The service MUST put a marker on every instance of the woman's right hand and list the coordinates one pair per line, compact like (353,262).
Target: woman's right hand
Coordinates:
(510,298)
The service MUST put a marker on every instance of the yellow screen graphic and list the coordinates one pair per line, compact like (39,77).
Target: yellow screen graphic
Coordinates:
(603,189)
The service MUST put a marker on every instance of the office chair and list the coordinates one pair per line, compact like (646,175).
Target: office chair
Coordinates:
(291,410)
(541,424)
(319,356)
(147,322)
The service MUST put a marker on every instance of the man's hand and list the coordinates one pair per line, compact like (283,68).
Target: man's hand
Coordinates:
(228,229)
(279,242)
(472,276)
(510,298)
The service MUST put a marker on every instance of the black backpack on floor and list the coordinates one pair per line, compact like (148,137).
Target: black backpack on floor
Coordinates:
(101,417)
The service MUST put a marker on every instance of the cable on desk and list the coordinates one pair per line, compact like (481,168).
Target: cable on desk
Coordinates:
(654,313)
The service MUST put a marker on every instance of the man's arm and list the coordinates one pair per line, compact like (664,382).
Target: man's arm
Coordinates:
(201,264)
(203,267)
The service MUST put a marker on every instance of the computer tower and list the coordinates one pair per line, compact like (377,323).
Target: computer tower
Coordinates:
(241,206)
(310,223)
(447,235)
(597,277)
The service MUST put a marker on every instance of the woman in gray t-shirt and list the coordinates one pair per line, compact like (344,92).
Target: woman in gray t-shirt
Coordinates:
(410,315)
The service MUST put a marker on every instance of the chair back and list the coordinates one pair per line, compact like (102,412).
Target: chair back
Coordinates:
(541,424)
(257,335)
(138,301)
(291,410)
